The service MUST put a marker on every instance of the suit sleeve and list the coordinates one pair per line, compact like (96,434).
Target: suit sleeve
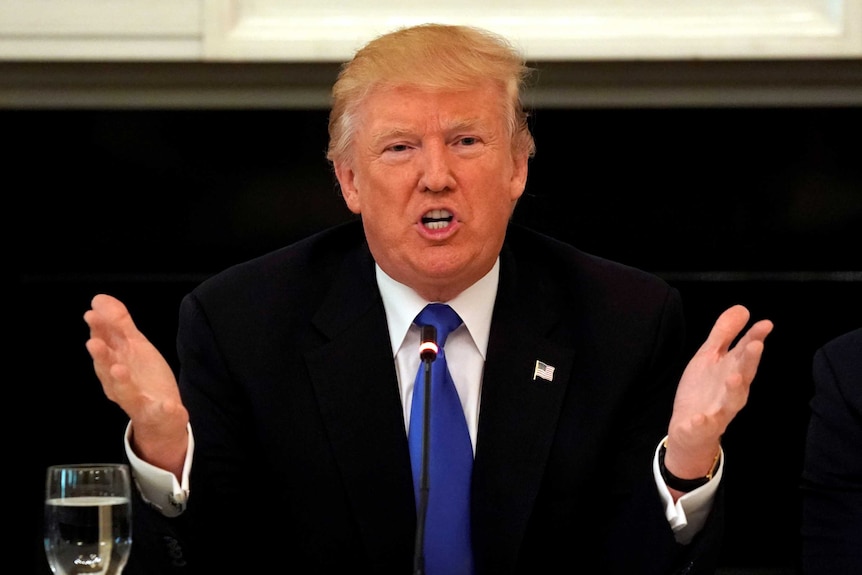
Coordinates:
(643,528)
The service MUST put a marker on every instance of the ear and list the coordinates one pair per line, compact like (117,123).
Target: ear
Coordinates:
(347,181)
(518,183)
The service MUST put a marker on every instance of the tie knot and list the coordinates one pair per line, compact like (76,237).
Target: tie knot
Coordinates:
(442,317)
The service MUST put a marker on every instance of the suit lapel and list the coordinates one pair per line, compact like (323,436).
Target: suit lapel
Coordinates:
(519,412)
(357,390)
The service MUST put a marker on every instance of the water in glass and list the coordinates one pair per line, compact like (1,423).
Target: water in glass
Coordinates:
(88,519)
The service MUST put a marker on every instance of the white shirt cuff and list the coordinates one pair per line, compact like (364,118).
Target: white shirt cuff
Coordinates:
(160,488)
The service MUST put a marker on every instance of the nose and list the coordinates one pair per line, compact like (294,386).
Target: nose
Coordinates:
(436,168)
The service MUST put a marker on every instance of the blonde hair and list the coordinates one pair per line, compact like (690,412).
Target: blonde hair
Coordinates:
(435,56)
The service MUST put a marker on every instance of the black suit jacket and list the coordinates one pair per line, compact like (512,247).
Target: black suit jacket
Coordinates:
(301,458)
(832,472)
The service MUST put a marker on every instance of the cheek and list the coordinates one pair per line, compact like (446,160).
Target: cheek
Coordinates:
(387,192)
(502,194)
(370,193)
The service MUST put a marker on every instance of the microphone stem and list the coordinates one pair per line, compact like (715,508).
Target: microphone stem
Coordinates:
(424,488)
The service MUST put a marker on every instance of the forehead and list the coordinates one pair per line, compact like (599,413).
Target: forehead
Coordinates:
(413,107)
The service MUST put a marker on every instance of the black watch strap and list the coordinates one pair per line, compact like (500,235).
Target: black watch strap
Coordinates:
(685,485)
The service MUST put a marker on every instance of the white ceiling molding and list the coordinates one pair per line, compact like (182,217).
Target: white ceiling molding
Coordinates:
(101,30)
(328,31)
(547,30)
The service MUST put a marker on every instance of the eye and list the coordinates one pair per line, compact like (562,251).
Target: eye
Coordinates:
(397,148)
(468,141)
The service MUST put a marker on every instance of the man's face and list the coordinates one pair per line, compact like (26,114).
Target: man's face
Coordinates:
(435,180)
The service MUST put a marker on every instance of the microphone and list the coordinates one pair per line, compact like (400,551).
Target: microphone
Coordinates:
(428,343)
(427,353)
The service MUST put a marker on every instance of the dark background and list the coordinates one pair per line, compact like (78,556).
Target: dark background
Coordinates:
(760,206)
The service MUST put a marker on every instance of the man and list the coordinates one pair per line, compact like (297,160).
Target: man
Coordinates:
(285,442)
(832,472)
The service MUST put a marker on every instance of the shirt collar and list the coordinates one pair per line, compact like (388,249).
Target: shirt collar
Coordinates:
(475,305)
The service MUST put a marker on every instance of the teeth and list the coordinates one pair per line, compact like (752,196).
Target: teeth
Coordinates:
(437,219)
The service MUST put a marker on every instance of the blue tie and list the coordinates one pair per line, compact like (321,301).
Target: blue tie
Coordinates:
(450,463)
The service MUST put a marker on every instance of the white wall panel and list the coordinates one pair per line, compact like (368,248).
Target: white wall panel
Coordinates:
(321,30)
(101,30)
(330,31)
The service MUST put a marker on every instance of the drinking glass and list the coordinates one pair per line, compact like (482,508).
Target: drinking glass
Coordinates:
(88,514)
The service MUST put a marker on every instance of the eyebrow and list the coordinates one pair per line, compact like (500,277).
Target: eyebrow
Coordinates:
(468,124)
(391,133)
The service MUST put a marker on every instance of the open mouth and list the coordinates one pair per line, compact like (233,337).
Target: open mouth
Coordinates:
(437,219)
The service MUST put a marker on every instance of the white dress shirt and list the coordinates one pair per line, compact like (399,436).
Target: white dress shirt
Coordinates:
(466,348)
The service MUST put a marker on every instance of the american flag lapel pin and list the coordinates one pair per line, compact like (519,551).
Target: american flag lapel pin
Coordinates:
(544,371)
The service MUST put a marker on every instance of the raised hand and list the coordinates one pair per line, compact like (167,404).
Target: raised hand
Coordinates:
(136,376)
(713,389)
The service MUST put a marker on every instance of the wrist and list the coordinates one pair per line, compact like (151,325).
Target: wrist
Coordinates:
(686,483)
(162,451)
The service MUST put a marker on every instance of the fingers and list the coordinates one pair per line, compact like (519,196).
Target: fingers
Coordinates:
(729,325)
(101,355)
(97,349)
(109,317)
(758,332)
(726,328)
(741,361)
(111,328)
(752,346)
